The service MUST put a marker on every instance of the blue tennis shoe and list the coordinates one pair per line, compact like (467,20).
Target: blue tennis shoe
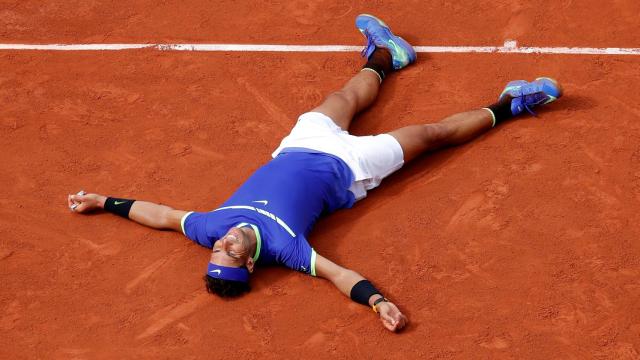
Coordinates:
(379,35)
(527,95)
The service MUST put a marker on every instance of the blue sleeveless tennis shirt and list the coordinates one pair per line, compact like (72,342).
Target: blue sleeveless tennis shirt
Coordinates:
(282,200)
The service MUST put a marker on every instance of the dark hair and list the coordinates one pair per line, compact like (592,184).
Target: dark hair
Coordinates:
(225,288)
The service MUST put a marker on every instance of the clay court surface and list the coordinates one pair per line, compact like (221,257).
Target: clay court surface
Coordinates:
(520,245)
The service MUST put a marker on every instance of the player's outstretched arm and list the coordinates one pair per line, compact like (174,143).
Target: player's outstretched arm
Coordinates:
(353,285)
(143,212)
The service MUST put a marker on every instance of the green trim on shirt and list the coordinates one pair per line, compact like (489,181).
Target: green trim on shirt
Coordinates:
(313,262)
(182,221)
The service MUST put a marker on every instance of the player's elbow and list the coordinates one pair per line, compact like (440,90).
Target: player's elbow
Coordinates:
(165,219)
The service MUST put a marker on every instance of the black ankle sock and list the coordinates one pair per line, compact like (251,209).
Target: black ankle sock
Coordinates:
(380,61)
(501,110)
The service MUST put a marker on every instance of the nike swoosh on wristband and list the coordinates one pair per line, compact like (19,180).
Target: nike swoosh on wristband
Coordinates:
(119,202)
(216,271)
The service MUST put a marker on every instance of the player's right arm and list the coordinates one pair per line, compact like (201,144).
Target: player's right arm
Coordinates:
(153,215)
(345,280)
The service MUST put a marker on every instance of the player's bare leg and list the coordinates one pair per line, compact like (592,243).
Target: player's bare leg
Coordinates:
(517,97)
(385,52)
(356,95)
(454,130)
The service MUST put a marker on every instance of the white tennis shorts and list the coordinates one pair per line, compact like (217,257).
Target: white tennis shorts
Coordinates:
(371,158)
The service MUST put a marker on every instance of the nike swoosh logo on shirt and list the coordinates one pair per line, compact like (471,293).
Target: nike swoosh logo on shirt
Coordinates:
(263,202)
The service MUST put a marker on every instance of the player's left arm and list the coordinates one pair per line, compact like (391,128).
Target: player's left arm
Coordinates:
(346,280)
(150,214)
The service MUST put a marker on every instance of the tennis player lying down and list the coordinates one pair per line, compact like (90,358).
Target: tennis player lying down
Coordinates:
(317,169)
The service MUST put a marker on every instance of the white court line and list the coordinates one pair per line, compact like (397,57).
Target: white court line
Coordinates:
(509,47)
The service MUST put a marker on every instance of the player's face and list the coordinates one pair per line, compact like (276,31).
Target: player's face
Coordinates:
(232,249)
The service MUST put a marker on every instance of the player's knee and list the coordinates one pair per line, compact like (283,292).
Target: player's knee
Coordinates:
(345,97)
(435,133)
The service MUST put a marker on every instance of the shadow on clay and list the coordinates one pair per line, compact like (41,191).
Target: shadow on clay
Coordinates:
(571,103)
(268,279)
(419,171)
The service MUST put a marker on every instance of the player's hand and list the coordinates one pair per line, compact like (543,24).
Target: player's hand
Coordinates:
(83,202)
(391,317)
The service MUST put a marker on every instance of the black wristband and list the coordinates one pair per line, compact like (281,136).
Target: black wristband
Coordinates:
(362,291)
(118,206)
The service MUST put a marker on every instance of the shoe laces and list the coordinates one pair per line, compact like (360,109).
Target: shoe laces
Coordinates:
(537,99)
(371,45)
(529,110)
